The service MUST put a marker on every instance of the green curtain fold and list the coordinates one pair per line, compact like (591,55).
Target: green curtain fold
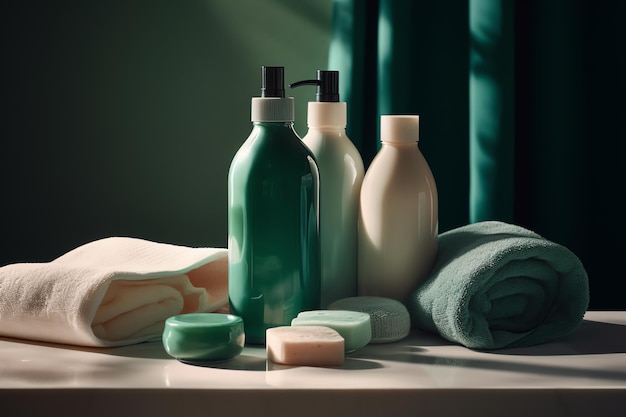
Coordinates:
(523,112)
(491,91)
(408,57)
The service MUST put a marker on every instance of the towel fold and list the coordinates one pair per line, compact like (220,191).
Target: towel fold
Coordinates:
(111,292)
(496,285)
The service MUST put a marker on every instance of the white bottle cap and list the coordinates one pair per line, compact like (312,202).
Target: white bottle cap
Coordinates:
(320,114)
(403,128)
(272,109)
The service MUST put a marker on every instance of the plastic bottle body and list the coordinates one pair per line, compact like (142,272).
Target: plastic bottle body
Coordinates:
(398,222)
(341,175)
(273,229)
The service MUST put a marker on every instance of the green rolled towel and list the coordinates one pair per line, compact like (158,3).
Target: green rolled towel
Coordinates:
(495,285)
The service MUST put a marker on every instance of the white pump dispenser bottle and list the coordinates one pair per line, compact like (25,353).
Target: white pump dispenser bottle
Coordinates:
(341,175)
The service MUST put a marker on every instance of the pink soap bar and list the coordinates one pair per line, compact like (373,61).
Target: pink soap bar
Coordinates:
(305,346)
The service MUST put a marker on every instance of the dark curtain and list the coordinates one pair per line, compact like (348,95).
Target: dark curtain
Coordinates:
(522,106)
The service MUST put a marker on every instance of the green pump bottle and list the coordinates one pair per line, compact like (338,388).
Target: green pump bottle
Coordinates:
(273,217)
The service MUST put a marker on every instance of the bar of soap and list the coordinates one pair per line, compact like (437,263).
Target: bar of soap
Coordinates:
(355,327)
(304,346)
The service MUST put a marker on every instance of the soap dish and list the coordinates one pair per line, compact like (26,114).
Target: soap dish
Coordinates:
(203,337)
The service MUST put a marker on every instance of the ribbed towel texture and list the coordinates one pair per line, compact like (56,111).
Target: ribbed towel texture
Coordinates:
(110,292)
(496,285)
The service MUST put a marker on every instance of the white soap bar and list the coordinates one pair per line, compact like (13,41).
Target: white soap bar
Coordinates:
(305,346)
(355,327)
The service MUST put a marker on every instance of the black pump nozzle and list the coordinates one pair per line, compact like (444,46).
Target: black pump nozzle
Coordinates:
(327,85)
(273,82)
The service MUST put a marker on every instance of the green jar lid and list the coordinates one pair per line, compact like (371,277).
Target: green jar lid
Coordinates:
(203,337)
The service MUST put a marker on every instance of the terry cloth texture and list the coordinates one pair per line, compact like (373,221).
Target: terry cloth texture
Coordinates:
(496,285)
(110,292)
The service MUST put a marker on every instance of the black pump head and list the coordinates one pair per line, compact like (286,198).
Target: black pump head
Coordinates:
(327,85)
(273,82)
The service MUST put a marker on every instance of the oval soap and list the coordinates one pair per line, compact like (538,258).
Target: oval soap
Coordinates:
(355,327)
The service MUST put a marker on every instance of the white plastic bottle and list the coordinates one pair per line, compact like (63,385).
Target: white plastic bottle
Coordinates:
(341,175)
(398,221)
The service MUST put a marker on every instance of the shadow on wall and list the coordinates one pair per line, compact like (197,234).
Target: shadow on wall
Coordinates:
(123,117)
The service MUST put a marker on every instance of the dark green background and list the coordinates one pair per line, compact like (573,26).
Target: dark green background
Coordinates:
(122,117)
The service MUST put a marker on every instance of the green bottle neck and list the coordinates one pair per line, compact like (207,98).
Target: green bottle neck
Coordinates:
(288,124)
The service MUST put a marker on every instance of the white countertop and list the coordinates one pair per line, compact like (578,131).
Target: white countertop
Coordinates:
(582,374)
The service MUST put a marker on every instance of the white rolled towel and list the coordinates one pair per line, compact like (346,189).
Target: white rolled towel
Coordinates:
(111,292)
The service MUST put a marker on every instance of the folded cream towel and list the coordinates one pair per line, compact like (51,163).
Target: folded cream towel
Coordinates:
(110,292)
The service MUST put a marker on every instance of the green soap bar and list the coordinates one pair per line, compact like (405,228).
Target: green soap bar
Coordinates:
(203,337)
(355,327)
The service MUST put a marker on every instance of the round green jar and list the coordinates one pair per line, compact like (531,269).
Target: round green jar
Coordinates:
(203,337)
